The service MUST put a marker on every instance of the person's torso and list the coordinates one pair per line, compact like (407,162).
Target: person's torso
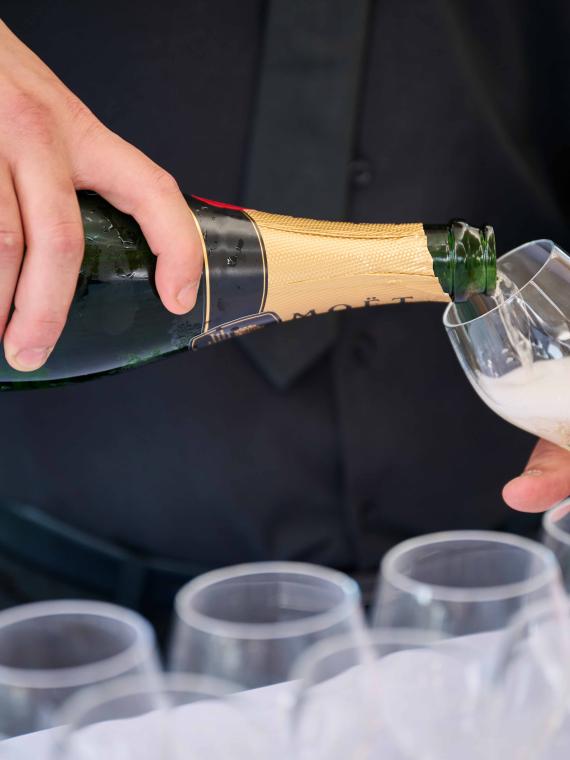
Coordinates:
(229,454)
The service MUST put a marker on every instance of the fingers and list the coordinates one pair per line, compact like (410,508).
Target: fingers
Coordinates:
(51,144)
(11,243)
(54,249)
(545,481)
(134,184)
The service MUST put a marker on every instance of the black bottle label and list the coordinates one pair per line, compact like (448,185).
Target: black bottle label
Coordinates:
(233,329)
(235,272)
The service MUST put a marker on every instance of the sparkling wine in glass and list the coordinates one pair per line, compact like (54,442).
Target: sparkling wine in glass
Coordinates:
(514,346)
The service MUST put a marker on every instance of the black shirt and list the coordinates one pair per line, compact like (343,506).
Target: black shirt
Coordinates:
(326,440)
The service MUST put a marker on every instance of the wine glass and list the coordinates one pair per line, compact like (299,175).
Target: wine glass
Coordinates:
(528,704)
(409,694)
(249,623)
(514,346)
(464,582)
(397,694)
(50,650)
(556,535)
(176,717)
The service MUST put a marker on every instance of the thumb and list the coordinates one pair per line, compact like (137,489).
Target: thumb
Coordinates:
(545,481)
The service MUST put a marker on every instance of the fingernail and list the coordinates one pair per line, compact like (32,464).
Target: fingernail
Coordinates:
(187,295)
(532,473)
(28,359)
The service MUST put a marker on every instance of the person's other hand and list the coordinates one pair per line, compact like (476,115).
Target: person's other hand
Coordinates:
(545,481)
(50,145)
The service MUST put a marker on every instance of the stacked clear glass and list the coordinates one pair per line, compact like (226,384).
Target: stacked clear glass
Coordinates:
(51,650)
(556,535)
(249,623)
(175,717)
(458,583)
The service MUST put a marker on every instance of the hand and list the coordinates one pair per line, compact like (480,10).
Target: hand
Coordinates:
(545,481)
(51,145)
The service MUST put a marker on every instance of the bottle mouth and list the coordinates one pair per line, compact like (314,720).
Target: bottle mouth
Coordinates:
(472,249)
(460,313)
(490,254)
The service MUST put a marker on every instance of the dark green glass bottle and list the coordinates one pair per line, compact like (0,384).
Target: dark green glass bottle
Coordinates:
(258,269)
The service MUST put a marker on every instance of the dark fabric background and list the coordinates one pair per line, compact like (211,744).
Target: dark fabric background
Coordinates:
(463,111)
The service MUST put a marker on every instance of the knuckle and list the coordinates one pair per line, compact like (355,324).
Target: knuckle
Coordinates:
(159,184)
(30,117)
(86,127)
(77,109)
(66,240)
(11,247)
(61,239)
(163,182)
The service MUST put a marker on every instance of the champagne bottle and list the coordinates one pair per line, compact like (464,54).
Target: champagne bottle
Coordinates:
(259,268)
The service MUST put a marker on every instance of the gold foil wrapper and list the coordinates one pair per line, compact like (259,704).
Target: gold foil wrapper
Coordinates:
(317,266)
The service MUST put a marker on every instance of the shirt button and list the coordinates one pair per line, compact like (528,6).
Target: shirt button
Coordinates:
(360,172)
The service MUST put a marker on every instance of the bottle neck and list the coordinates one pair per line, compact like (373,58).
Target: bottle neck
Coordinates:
(464,258)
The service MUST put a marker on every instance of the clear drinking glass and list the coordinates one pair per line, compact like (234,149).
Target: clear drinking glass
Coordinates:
(516,353)
(249,623)
(396,695)
(176,717)
(556,535)
(50,650)
(411,695)
(463,582)
(528,702)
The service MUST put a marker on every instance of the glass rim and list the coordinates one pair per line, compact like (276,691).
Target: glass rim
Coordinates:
(554,250)
(137,684)
(550,525)
(480,594)
(371,637)
(79,675)
(260,631)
